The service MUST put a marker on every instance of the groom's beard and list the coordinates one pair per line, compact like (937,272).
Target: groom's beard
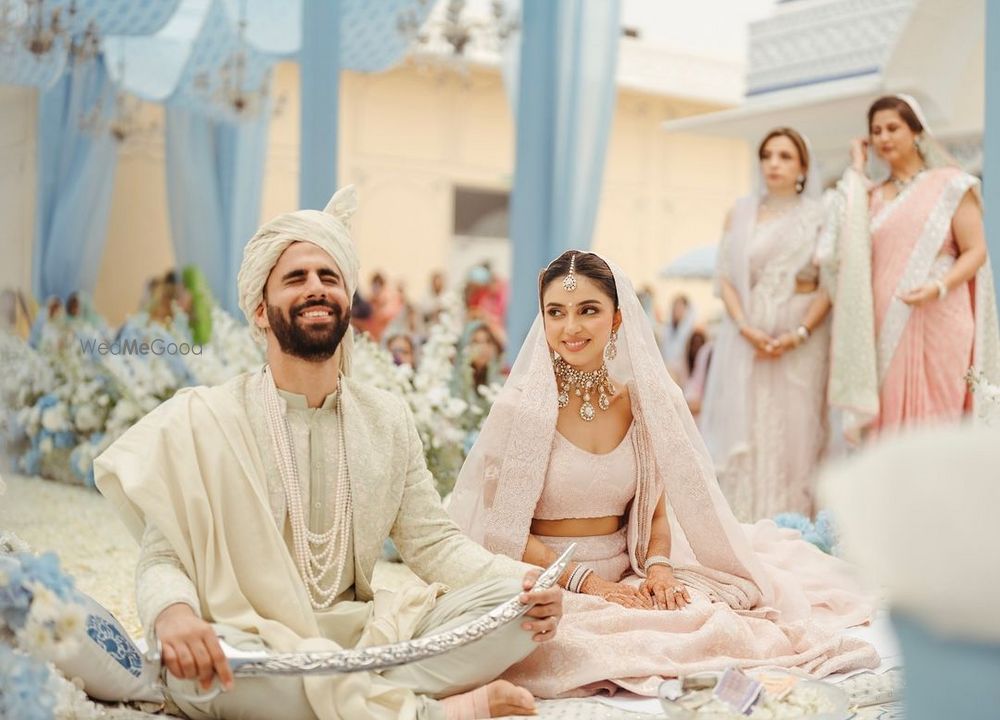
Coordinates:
(314,344)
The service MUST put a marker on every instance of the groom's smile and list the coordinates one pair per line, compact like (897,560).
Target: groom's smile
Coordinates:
(306,304)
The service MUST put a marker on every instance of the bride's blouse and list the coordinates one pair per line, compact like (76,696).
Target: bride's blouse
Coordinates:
(581,484)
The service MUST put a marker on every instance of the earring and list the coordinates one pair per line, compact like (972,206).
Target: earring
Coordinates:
(918,142)
(556,357)
(611,349)
(800,183)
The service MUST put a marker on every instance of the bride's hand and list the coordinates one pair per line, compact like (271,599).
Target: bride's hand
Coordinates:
(626,595)
(661,585)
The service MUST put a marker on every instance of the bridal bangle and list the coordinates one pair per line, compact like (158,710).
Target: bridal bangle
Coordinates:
(942,289)
(577,578)
(657,560)
(803,332)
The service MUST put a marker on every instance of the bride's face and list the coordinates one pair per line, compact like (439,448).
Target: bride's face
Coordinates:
(579,323)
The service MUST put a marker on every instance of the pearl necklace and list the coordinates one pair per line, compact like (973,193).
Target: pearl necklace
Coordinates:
(583,383)
(313,564)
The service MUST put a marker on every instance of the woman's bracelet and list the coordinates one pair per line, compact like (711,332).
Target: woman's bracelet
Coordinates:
(577,578)
(942,289)
(803,332)
(657,560)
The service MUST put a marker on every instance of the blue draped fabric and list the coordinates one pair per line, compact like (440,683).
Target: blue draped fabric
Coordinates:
(76,172)
(991,139)
(20,66)
(566,96)
(320,63)
(172,51)
(215,171)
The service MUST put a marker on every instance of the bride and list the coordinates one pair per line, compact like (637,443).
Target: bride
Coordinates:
(591,442)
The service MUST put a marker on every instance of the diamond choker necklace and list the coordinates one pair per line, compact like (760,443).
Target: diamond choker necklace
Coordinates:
(583,384)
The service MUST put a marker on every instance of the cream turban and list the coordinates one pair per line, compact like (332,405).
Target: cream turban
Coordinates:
(328,230)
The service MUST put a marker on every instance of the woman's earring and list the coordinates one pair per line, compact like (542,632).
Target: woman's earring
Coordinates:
(918,142)
(556,357)
(800,183)
(611,349)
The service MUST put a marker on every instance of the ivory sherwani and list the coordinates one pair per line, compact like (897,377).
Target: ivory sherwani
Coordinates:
(196,480)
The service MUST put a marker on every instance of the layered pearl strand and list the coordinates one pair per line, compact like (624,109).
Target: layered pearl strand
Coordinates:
(313,564)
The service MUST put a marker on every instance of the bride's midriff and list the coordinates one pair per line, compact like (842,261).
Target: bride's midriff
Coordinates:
(576,527)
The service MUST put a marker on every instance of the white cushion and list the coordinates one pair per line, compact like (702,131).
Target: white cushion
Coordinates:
(108,662)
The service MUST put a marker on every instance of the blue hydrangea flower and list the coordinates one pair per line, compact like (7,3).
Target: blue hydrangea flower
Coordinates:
(46,401)
(15,598)
(31,461)
(821,533)
(23,687)
(64,439)
(793,521)
(45,569)
(826,529)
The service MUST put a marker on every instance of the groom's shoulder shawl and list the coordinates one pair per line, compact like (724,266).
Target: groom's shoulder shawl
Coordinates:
(175,443)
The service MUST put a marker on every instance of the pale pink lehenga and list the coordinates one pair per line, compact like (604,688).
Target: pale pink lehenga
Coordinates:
(760,596)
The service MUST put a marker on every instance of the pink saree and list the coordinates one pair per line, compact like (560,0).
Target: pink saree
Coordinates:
(760,596)
(927,349)
(893,365)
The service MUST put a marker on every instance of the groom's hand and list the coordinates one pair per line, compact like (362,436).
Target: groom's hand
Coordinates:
(546,611)
(189,647)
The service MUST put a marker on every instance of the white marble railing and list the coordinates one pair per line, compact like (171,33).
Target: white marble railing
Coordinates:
(812,41)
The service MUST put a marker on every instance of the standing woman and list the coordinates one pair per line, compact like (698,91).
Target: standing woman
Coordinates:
(914,299)
(763,414)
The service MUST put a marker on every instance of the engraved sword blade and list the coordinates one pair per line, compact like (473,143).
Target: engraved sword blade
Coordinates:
(384,656)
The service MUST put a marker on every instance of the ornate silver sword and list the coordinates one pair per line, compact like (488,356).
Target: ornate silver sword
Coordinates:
(378,657)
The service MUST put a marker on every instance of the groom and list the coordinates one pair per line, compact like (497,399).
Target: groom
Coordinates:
(262,505)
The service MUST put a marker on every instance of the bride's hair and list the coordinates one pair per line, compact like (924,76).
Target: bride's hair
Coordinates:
(587,264)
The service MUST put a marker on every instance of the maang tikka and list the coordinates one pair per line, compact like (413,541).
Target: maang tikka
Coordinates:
(569,282)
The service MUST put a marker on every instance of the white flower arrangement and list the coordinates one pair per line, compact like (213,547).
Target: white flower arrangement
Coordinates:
(988,412)
(70,399)
(67,403)
(230,351)
(988,409)
(445,421)
(40,622)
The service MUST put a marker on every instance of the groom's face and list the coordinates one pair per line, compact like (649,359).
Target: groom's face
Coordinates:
(305,309)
